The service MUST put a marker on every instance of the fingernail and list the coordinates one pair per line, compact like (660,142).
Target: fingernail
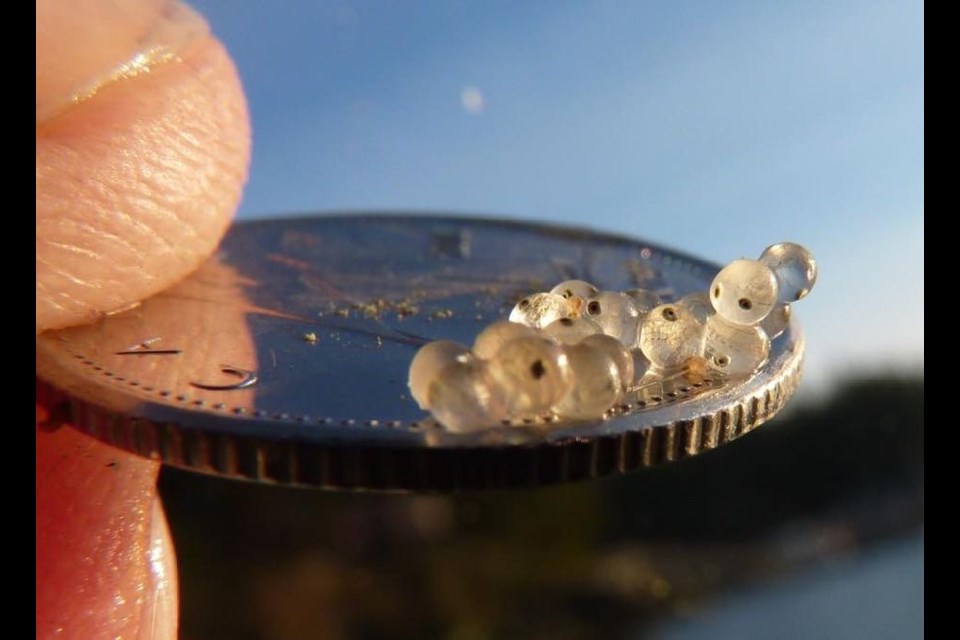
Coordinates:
(158,619)
(81,50)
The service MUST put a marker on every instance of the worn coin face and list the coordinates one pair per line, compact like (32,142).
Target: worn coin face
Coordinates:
(284,358)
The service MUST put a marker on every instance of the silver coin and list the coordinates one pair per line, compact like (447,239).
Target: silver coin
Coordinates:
(284,358)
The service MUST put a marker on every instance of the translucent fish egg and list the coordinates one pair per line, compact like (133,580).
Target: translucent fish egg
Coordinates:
(670,335)
(427,364)
(620,354)
(577,350)
(489,341)
(575,289)
(616,315)
(794,268)
(539,310)
(463,398)
(735,350)
(744,292)
(699,304)
(532,374)
(597,384)
(571,330)
(643,300)
(777,322)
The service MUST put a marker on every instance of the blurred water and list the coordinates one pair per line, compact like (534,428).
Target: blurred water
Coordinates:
(791,531)
(879,595)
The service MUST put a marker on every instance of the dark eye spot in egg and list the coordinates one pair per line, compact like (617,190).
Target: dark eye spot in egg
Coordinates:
(537,370)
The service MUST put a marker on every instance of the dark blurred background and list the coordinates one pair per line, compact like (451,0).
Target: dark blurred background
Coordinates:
(716,128)
(810,527)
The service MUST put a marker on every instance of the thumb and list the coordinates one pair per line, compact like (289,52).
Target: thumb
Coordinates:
(105,563)
(142,152)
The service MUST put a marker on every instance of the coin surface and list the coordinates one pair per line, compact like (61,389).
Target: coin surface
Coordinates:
(284,358)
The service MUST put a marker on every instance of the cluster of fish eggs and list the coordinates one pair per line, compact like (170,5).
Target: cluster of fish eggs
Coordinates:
(574,351)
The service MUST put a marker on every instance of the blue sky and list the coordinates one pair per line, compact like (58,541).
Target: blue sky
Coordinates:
(718,128)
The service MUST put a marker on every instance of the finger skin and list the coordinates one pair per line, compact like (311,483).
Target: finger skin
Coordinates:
(105,564)
(138,176)
(137,183)
(79,42)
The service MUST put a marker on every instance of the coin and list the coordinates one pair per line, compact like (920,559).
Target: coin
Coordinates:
(284,358)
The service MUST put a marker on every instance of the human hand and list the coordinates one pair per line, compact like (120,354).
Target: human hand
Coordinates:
(142,151)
